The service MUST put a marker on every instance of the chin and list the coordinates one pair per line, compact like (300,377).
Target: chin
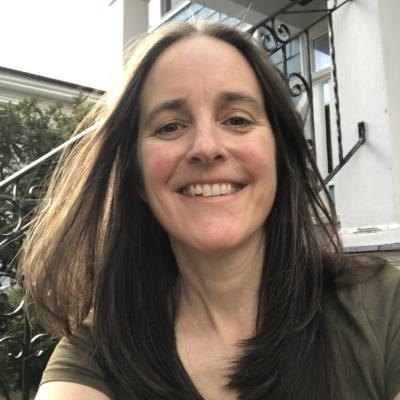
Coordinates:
(215,247)
(209,243)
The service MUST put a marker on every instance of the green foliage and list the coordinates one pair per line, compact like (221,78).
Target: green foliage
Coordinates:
(28,130)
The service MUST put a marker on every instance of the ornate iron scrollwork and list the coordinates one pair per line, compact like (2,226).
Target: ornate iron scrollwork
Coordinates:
(18,349)
(273,35)
(301,91)
(298,85)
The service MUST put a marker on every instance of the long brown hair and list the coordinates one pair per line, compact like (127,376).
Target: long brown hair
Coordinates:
(96,245)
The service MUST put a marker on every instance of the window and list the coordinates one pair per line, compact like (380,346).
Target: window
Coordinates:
(321,53)
(168,5)
(293,57)
(197,12)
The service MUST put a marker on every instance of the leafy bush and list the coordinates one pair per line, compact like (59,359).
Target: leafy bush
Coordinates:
(28,130)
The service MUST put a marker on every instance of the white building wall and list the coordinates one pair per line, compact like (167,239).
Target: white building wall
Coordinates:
(366,187)
(389,13)
(155,12)
(135,19)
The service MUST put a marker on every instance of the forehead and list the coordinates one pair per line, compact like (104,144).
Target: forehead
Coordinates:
(198,65)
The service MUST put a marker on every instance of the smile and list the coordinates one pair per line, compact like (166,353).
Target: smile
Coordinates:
(212,189)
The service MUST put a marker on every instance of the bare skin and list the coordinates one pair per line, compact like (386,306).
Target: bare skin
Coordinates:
(68,391)
(217,311)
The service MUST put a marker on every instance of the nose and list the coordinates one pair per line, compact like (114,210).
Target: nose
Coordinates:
(206,145)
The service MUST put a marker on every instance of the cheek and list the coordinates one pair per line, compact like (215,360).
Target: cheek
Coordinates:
(261,159)
(156,165)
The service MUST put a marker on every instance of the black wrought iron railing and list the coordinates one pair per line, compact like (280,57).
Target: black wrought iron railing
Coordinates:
(276,36)
(22,352)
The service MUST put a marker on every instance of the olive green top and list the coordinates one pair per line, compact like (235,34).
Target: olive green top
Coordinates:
(364,328)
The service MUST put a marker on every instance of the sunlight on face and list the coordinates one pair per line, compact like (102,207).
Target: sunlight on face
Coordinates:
(206,149)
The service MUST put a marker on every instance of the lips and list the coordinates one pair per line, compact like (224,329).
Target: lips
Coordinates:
(211,189)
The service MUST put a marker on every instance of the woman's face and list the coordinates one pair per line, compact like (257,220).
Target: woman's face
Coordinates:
(206,150)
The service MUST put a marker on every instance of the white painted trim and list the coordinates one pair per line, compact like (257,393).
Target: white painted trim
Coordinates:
(372,238)
(11,83)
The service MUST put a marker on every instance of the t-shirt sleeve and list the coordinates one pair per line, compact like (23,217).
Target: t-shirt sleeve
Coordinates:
(73,361)
(381,301)
(392,359)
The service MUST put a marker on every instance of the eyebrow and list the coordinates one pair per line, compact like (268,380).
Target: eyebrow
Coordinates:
(227,97)
(223,98)
(170,105)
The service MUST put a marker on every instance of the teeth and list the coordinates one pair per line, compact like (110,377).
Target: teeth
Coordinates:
(206,190)
(215,189)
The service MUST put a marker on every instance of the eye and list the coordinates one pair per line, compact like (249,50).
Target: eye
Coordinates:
(169,129)
(238,122)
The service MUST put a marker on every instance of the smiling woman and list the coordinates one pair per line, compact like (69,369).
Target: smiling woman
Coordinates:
(188,250)
(216,135)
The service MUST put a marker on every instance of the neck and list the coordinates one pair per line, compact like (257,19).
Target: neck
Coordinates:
(218,291)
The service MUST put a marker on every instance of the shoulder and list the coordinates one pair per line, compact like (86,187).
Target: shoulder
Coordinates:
(376,296)
(363,325)
(380,295)
(387,278)
(372,303)
(68,391)
(74,361)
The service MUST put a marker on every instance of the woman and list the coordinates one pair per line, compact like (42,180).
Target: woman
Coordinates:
(188,233)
